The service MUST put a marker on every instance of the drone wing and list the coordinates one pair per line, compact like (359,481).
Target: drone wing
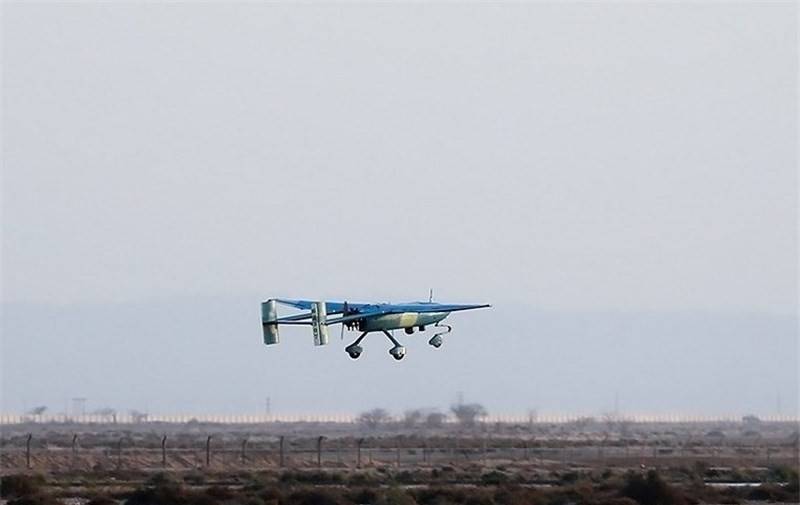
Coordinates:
(330,307)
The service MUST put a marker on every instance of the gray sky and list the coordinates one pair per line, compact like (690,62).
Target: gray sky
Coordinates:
(557,160)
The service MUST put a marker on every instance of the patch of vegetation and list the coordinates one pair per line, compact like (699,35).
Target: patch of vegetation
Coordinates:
(18,486)
(651,490)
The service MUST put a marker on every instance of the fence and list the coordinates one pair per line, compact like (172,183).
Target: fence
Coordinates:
(320,452)
(126,418)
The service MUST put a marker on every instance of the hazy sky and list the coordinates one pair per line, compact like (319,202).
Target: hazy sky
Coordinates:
(602,158)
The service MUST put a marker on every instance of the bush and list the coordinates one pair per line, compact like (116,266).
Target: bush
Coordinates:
(651,490)
(36,499)
(363,495)
(514,495)
(102,500)
(494,478)
(315,497)
(17,486)
(770,492)
(396,497)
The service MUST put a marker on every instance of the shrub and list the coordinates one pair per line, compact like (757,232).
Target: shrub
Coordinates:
(315,497)
(17,486)
(396,496)
(363,495)
(770,492)
(651,490)
(102,500)
(494,478)
(36,499)
(514,495)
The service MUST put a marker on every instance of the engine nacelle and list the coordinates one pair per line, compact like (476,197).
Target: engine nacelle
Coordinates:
(269,321)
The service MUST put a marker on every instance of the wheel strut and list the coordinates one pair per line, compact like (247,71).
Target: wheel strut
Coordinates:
(436,339)
(355,350)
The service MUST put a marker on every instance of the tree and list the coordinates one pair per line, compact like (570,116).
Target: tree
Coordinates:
(37,411)
(412,418)
(139,417)
(108,413)
(468,413)
(434,420)
(374,418)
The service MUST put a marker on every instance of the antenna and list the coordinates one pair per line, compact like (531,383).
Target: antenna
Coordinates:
(430,296)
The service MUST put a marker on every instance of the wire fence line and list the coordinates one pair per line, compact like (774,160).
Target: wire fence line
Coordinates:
(320,452)
(128,418)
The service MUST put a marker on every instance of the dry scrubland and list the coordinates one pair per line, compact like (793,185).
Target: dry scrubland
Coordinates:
(583,462)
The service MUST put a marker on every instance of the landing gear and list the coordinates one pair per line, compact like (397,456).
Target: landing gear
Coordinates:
(409,331)
(354,350)
(398,352)
(436,341)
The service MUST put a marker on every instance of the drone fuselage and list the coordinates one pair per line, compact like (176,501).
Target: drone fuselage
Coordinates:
(400,321)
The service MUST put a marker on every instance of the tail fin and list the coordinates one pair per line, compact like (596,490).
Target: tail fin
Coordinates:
(318,324)
(269,322)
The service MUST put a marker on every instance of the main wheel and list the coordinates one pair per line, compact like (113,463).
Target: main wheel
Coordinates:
(436,341)
(354,351)
(398,352)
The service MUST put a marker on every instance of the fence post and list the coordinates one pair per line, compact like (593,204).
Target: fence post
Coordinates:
(28,451)
(74,448)
(208,451)
(281,452)
(397,455)
(164,451)
(244,451)
(319,451)
(358,452)
(119,453)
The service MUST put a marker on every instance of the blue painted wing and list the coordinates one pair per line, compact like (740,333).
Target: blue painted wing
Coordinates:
(370,310)
(330,307)
(432,307)
(356,311)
